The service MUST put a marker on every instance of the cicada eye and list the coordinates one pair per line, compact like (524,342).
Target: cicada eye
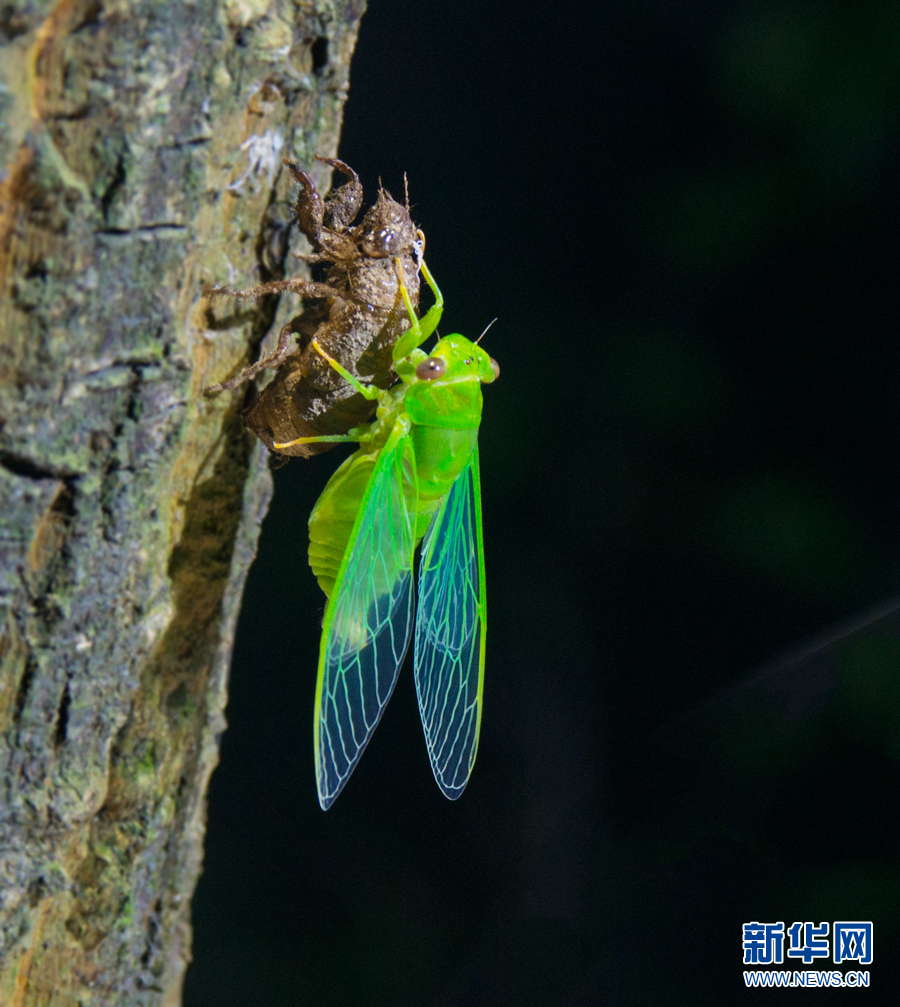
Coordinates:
(431,368)
(495,367)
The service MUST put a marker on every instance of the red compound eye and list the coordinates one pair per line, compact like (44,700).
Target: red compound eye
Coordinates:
(430,369)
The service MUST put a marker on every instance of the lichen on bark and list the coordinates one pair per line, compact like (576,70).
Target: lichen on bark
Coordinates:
(139,158)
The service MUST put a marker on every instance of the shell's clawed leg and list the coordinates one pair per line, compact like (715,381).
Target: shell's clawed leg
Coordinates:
(312,213)
(309,209)
(344,203)
(421,328)
(305,288)
(283,348)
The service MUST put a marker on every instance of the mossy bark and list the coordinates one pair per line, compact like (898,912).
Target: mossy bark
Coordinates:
(129,503)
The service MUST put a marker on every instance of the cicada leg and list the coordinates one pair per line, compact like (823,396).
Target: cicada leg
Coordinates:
(355,435)
(369,392)
(324,439)
(421,328)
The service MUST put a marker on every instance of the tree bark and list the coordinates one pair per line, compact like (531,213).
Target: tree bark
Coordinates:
(140,161)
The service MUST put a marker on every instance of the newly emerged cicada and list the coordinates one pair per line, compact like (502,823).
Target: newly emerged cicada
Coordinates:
(356,315)
(413,479)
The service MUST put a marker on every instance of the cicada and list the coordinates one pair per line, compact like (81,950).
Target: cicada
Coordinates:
(356,315)
(414,479)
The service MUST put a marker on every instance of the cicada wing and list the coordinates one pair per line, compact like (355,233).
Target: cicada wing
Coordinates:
(450,632)
(368,620)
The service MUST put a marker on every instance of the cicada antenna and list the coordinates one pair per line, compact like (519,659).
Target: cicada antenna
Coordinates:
(489,324)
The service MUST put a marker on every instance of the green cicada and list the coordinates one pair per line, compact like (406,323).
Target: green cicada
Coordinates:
(414,478)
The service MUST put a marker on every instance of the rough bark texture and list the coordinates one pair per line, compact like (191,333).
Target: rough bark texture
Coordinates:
(129,503)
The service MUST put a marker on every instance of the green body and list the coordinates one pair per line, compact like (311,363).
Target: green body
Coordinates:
(414,476)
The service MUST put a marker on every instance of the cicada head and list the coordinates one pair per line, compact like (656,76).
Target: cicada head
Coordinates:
(446,388)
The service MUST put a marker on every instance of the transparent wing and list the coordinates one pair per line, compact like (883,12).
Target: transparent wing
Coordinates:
(450,632)
(368,620)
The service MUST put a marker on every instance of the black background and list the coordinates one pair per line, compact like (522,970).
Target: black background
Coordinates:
(685,217)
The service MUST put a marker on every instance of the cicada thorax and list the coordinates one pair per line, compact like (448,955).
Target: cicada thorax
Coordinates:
(358,326)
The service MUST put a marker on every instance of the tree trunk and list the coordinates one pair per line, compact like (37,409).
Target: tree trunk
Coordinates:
(140,161)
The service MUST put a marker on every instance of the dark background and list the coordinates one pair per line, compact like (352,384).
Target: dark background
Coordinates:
(685,217)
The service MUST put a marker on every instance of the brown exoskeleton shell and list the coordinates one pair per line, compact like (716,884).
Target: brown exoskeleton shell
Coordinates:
(356,315)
